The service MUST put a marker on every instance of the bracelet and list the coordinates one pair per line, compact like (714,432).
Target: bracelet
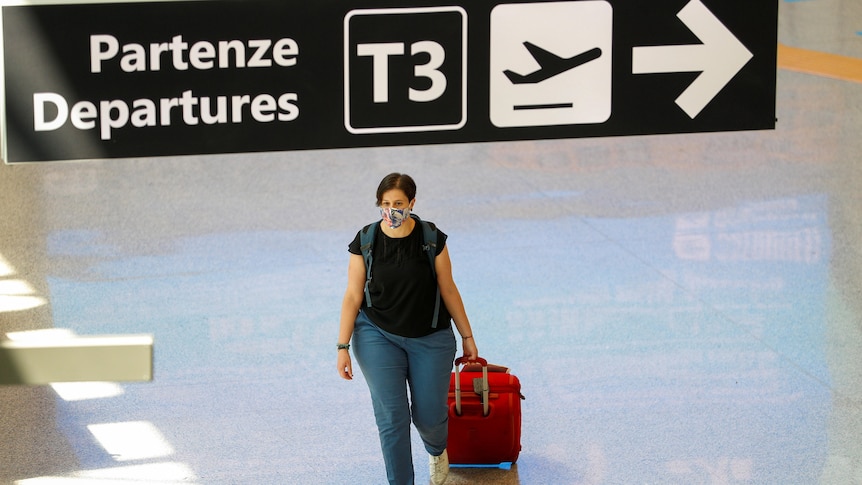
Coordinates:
(343,346)
(465,338)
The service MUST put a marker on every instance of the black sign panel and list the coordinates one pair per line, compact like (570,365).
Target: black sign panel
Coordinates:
(405,70)
(95,81)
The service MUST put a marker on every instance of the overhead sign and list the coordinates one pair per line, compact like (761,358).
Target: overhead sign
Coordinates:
(139,79)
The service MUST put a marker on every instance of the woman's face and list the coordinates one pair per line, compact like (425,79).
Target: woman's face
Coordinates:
(395,199)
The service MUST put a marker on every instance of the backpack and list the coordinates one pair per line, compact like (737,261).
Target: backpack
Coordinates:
(429,233)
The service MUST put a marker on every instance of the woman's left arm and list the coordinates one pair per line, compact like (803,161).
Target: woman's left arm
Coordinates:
(452,298)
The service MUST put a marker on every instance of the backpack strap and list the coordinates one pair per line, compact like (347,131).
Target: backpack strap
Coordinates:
(429,235)
(366,241)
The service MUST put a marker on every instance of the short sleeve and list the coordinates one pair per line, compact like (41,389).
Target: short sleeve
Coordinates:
(354,246)
(441,241)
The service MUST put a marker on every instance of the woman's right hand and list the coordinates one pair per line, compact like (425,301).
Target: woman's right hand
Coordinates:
(471,352)
(345,367)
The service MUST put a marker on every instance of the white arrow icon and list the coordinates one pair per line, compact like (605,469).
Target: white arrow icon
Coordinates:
(718,58)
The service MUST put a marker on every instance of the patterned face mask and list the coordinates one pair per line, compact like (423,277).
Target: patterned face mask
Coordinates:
(394,217)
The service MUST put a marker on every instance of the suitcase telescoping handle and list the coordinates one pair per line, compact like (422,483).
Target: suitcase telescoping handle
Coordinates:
(485,390)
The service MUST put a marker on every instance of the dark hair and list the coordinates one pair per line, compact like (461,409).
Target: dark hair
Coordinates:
(396,180)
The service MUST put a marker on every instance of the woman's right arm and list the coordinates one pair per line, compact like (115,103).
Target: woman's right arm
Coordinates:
(353,297)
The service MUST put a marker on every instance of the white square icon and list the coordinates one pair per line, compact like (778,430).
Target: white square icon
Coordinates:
(551,63)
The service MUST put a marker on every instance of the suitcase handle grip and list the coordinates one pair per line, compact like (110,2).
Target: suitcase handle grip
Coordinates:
(463,359)
(485,390)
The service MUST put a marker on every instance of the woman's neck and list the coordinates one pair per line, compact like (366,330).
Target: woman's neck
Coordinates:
(403,230)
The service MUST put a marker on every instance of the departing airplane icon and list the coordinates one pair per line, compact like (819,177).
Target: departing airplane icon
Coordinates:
(566,81)
(550,64)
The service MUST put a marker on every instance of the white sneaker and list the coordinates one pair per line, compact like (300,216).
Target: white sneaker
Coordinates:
(439,466)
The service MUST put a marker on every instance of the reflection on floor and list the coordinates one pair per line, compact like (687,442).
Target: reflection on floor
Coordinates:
(679,309)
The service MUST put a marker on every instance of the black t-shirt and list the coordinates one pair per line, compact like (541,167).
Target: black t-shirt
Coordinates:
(403,289)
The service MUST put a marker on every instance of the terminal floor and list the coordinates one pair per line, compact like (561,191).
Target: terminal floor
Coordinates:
(681,309)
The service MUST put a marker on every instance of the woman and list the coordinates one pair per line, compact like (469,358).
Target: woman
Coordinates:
(395,341)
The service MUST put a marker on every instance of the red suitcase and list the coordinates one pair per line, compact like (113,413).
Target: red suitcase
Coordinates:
(484,415)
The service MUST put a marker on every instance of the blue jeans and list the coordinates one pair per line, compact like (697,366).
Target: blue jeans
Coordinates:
(392,364)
